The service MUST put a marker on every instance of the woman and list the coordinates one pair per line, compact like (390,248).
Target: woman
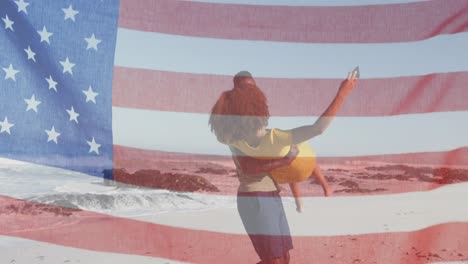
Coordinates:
(241,114)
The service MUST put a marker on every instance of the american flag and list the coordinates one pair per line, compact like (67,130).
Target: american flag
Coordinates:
(57,88)
(95,85)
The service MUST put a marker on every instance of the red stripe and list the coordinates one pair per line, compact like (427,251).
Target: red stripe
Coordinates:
(99,232)
(427,170)
(124,157)
(350,24)
(197,93)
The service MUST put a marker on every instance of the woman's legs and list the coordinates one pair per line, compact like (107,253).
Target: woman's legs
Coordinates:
(317,172)
(296,190)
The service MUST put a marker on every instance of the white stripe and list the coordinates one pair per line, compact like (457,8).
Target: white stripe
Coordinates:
(149,50)
(20,250)
(309,2)
(333,216)
(347,136)
(322,216)
(30,251)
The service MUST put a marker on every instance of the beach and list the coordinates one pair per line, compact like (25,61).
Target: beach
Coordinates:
(71,217)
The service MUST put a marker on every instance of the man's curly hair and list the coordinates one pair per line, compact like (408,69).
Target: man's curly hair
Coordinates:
(239,112)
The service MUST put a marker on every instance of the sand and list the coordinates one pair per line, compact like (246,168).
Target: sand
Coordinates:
(24,251)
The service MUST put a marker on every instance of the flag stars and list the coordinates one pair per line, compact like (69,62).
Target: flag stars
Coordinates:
(67,66)
(70,13)
(8,23)
(90,95)
(30,54)
(32,103)
(93,146)
(52,83)
(52,135)
(5,126)
(45,35)
(22,6)
(92,42)
(73,115)
(10,73)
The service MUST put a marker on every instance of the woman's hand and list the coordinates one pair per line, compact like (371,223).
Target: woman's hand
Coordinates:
(285,161)
(293,152)
(348,84)
(304,133)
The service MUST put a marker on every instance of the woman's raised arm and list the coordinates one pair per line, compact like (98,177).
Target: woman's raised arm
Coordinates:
(304,133)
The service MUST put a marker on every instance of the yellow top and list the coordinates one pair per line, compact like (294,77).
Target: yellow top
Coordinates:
(276,144)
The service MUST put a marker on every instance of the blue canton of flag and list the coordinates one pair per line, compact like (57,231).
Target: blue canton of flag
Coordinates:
(56,60)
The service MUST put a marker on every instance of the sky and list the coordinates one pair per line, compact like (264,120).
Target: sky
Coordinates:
(349,136)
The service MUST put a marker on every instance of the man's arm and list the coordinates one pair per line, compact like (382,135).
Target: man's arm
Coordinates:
(253,166)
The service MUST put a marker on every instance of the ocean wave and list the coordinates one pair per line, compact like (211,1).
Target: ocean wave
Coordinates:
(135,202)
